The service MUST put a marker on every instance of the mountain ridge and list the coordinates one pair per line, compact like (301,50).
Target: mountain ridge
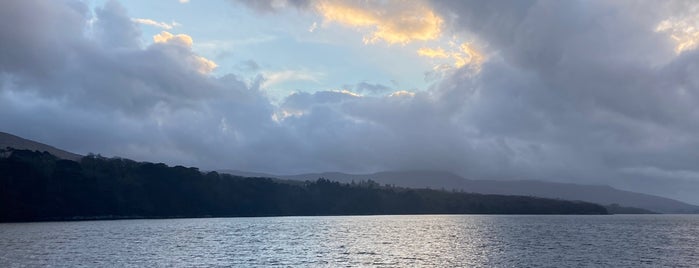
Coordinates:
(601,194)
(8,140)
(38,186)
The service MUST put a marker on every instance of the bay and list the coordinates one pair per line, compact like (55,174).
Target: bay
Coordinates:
(350,241)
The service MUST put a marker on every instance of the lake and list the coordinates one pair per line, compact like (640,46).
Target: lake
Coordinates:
(411,240)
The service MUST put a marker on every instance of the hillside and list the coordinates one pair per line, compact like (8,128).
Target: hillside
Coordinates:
(39,186)
(12,141)
(599,194)
(604,195)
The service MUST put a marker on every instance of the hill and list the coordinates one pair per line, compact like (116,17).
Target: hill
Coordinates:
(599,194)
(12,141)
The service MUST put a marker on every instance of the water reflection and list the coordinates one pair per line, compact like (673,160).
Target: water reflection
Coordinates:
(430,240)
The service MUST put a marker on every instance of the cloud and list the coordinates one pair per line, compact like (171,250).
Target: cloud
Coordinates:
(157,24)
(464,55)
(578,91)
(583,86)
(268,6)
(364,87)
(180,39)
(114,28)
(273,78)
(684,31)
(249,66)
(433,52)
(391,22)
(401,93)
(201,64)
(313,27)
(107,69)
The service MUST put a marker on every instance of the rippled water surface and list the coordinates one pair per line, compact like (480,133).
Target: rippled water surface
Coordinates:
(427,240)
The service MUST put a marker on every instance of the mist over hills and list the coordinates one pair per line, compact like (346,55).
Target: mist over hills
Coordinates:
(600,194)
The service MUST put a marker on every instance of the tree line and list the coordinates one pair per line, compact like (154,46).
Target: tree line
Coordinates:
(39,186)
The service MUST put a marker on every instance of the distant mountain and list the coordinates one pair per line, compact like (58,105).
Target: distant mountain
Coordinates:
(12,141)
(599,194)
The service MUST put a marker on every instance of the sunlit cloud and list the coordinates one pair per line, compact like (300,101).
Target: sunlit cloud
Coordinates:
(467,55)
(154,23)
(433,52)
(462,55)
(401,94)
(202,65)
(347,92)
(393,22)
(684,31)
(167,37)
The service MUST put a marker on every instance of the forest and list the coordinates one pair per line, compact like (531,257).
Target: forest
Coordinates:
(37,186)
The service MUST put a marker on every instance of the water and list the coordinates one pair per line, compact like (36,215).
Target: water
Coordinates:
(427,240)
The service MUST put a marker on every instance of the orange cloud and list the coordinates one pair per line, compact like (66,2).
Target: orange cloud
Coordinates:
(433,52)
(467,55)
(180,39)
(203,65)
(394,22)
(464,55)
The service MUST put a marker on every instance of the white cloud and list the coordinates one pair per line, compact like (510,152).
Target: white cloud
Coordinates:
(157,24)
(313,27)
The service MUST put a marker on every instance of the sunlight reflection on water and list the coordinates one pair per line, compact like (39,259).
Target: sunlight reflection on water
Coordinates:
(427,240)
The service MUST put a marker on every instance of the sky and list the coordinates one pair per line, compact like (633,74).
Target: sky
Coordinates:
(590,92)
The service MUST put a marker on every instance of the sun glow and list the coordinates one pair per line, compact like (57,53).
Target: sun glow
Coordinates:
(684,31)
(390,22)
(463,55)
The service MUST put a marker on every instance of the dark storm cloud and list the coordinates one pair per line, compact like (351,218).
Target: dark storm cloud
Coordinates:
(37,34)
(114,28)
(582,91)
(588,83)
